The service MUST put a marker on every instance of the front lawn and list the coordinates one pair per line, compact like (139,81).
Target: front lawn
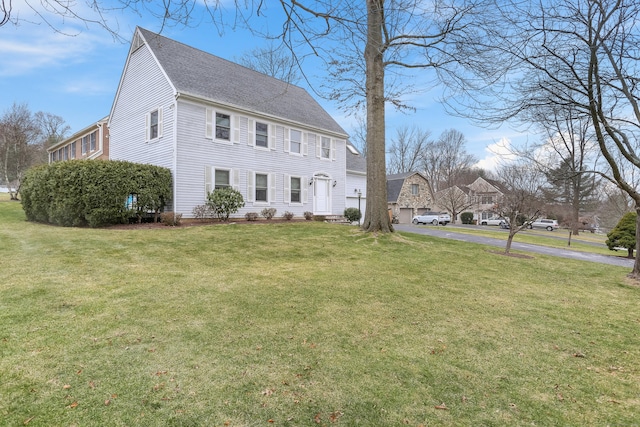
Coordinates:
(305,324)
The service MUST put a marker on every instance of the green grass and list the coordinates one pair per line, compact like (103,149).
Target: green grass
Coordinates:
(305,324)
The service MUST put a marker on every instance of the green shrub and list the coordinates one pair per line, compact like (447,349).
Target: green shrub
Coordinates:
(94,193)
(466,217)
(624,234)
(352,214)
(320,218)
(268,212)
(224,202)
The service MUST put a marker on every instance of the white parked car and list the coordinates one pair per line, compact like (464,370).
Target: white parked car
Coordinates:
(548,224)
(498,220)
(434,218)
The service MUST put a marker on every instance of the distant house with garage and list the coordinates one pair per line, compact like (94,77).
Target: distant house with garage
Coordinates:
(408,194)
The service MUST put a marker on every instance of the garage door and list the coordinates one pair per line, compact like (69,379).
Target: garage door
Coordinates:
(405,215)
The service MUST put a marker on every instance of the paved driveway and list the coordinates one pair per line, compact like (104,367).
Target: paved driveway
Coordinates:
(449,233)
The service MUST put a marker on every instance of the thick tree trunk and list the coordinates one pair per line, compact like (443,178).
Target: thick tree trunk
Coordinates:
(376,218)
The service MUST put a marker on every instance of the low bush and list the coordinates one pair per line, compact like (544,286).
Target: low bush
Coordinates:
(171,218)
(288,215)
(251,216)
(268,213)
(320,218)
(352,214)
(308,215)
(224,202)
(202,212)
(466,217)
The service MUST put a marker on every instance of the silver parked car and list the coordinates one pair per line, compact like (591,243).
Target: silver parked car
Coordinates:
(546,223)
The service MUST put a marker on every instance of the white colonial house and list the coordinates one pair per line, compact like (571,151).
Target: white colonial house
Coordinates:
(217,124)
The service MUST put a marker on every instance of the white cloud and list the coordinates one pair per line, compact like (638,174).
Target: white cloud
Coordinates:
(497,153)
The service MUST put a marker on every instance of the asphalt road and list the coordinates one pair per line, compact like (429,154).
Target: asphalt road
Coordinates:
(449,232)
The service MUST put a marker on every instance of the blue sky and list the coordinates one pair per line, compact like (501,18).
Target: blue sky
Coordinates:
(76,75)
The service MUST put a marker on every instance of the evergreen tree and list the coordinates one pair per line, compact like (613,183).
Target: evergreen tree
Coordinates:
(624,234)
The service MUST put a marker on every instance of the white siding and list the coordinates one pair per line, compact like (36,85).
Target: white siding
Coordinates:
(143,89)
(196,152)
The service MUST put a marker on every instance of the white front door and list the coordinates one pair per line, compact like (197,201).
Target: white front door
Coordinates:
(321,196)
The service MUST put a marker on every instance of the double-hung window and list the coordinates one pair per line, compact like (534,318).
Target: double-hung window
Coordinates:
(262,187)
(85,144)
(295,141)
(262,135)
(154,125)
(223,126)
(296,189)
(92,143)
(415,189)
(72,153)
(325,152)
(222,179)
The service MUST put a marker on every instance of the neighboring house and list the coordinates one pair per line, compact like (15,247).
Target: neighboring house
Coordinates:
(217,124)
(356,187)
(408,195)
(454,200)
(484,194)
(91,142)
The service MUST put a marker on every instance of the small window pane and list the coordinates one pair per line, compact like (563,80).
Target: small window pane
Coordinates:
(221,179)
(223,126)
(262,135)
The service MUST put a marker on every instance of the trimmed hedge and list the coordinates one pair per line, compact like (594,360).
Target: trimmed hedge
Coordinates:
(94,193)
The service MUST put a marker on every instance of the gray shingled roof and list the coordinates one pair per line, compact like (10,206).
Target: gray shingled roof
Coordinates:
(355,162)
(198,73)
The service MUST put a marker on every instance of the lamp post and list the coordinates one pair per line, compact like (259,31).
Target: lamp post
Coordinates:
(359,211)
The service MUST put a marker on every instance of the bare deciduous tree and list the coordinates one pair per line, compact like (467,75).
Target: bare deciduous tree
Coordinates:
(274,61)
(407,149)
(582,55)
(522,199)
(19,144)
(446,160)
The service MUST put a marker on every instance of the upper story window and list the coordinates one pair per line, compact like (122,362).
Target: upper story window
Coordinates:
(295,145)
(415,189)
(154,125)
(325,152)
(85,144)
(92,143)
(262,135)
(72,150)
(223,126)
(486,200)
